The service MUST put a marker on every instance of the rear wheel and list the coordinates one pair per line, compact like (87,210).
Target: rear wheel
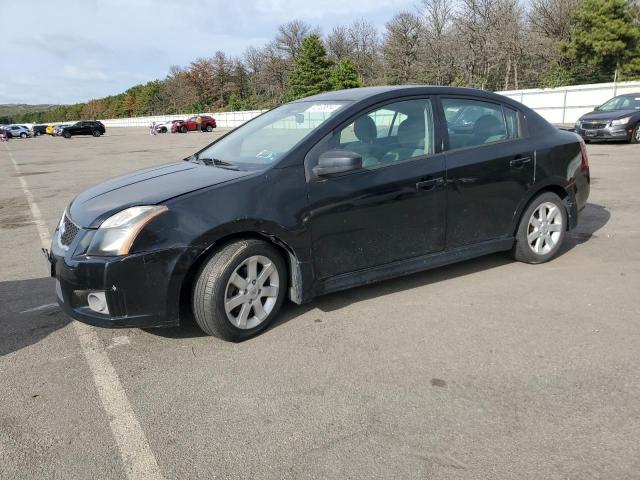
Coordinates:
(240,290)
(542,229)
(635,135)
(183,129)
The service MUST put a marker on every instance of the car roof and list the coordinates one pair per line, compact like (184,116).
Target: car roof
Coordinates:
(358,94)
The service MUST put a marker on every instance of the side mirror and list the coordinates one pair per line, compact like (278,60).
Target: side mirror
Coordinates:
(596,109)
(337,161)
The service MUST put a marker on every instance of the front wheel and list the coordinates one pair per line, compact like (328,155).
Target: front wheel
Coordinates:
(542,229)
(209,128)
(239,290)
(66,135)
(183,129)
(635,134)
(23,135)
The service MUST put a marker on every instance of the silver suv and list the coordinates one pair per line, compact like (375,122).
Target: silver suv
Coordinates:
(17,131)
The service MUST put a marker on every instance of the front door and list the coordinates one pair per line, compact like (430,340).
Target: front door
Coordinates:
(490,167)
(391,209)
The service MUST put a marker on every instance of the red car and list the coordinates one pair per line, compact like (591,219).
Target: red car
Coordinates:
(184,126)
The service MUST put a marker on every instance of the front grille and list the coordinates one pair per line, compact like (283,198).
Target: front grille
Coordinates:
(593,125)
(68,231)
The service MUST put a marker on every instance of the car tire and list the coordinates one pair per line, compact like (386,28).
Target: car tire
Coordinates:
(635,134)
(23,135)
(66,135)
(183,129)
(163,130)
(96,133)
(227,275)
(542,229)
(209,128)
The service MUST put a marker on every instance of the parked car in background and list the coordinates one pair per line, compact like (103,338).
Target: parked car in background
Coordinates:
(57,130)
(616,119)
(190,124)
(166,126)
(85,127)
(38,130)
(17,131)
(325,193)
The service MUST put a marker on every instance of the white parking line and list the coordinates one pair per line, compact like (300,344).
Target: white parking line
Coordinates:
(135,452)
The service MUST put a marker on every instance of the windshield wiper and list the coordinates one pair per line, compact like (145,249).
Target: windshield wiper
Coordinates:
(217,163)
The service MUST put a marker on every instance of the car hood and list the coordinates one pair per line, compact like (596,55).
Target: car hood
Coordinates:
(145,187)
(608,115)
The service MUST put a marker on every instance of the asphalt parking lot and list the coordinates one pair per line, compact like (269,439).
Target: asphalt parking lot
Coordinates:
(488,369)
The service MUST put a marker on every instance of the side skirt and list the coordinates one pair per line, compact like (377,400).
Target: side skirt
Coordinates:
(412,265)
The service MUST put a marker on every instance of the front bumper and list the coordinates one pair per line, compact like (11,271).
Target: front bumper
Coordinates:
(141,290)
(621,132)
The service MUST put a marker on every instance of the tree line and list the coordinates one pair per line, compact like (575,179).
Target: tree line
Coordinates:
(487,44)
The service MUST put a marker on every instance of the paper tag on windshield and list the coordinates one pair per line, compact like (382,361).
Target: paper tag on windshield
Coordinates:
(323,108)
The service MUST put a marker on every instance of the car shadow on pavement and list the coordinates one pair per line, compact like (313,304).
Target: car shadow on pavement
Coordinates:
(28,313)
(592,219)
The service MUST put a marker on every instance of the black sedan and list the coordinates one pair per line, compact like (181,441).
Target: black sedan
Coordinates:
(616,119)
(86,127)
(322,194)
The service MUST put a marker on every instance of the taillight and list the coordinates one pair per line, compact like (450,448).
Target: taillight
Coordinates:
(585,158)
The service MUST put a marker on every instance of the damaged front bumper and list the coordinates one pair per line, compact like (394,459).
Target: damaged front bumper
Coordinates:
(138,290)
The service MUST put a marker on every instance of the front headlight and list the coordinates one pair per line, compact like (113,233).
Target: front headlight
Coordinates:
(117,234)
(622,121)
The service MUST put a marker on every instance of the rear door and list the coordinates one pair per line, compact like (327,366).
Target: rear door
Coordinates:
(391,209)
(490,167)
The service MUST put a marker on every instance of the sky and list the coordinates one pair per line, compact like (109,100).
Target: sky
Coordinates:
(68,51)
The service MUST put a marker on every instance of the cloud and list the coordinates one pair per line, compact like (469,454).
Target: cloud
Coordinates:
(83,74)
(73,51)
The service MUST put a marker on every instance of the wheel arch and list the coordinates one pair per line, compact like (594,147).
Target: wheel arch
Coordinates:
(565,195)
(291,259)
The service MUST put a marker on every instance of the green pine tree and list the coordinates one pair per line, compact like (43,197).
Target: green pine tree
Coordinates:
(605,39)
(344,75)
(311,72)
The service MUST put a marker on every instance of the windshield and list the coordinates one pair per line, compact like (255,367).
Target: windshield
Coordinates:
(624,102)
(267,138)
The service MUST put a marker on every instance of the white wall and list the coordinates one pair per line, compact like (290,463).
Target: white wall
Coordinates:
(223,119)
(564,105)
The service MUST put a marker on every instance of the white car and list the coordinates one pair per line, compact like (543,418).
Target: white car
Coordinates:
(165,126)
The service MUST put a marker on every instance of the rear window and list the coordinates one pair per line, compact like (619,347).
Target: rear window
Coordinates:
(473,122)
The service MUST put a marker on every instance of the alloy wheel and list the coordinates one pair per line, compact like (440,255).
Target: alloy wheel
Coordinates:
(251,292)
(545,228)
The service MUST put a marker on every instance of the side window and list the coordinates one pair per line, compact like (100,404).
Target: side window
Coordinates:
(474,122)
(513,124)
(394,133)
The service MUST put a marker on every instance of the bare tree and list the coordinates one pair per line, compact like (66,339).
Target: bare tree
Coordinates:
(439,41)
(339,43)
(553,18)
(290,36)
(401,48)
(364,39)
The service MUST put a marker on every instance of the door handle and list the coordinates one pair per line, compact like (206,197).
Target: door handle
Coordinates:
(519,162)
(429,184)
